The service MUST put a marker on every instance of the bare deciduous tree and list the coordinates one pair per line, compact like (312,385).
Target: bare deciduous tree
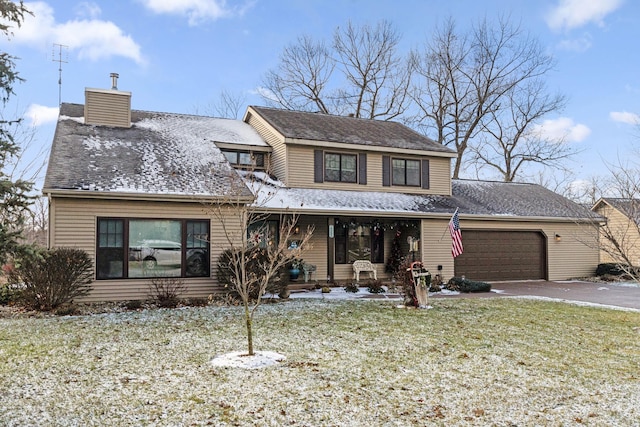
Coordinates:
(620,235)
(510,139)
(238,213)
(372,79)
(464,80)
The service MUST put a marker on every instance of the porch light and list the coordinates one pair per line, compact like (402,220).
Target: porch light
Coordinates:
(558,237)
(296,230)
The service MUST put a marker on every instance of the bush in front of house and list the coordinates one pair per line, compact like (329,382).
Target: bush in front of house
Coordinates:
(256,258)
(351,287)
(375,287)
(465,285)
(52,278)
(8,294)
(166,291)
(616,269)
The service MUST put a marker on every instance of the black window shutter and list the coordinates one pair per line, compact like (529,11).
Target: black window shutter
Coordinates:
(318,166)
(362,166)
(425,174)
(386,171)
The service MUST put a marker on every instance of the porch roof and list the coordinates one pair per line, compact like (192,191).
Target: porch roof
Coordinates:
(477,198)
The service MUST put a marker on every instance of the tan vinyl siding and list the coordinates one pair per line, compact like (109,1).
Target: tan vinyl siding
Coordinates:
(74,225)
(300,173)
(316,253)
(436,247)
(278,158)
(107,108)
(624,231)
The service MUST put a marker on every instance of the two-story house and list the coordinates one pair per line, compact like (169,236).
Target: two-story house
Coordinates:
(131,188)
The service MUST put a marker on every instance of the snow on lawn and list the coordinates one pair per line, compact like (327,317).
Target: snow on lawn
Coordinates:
(487,361)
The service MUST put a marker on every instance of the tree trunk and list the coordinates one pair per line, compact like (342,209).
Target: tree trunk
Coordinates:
(249,322)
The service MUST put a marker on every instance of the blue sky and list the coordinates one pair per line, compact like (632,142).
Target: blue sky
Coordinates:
(178,55)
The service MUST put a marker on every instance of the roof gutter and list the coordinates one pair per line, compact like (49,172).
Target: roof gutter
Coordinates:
(79,194)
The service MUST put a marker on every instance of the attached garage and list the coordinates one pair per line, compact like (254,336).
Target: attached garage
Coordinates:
(502,255)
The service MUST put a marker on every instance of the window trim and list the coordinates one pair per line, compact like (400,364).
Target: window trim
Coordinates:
(405,160)
(253,155)
(340,180)
(125,249)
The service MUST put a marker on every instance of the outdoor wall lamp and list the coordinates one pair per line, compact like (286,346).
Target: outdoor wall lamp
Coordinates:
(296,230)
(558,237)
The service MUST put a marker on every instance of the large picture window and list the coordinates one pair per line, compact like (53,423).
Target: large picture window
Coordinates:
(131,248)
(355,241)
(340,167)
(406,172)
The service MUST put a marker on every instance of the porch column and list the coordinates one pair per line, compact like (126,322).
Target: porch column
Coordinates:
(331,247)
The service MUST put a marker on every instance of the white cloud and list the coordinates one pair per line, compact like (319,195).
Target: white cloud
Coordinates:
(88,9)
(570,14)
(40,115)
(625,117)
(93,39)
(197,11)
(579,44)
(562,129)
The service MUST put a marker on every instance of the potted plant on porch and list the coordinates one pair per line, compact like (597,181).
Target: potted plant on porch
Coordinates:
(295,268)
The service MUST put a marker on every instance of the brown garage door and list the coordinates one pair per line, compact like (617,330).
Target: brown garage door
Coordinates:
(502,255)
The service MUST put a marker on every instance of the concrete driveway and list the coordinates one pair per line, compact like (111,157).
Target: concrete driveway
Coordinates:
(606,294)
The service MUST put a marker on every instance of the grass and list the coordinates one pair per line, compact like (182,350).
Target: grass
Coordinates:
(491,361)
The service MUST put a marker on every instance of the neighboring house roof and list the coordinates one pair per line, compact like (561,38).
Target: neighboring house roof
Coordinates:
(161,154)
(479,198)
(627,207)
(325,127)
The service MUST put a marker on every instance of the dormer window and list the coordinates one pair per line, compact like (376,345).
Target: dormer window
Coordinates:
(245,159)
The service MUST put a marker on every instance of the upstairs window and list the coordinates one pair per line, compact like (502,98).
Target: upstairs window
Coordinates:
(340,167)
(406,172)
(245,159)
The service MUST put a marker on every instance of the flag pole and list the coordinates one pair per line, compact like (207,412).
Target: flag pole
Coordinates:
(447,228)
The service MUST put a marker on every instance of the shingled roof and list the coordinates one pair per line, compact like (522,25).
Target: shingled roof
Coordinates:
(473,198)
(161,154)
(325,127)
(629,207)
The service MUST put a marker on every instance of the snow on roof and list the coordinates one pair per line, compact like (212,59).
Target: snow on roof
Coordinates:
(161,154)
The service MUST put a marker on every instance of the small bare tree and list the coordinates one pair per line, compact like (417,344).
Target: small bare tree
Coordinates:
(244,207)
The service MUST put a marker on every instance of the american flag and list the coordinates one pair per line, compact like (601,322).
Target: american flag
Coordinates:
(456,235)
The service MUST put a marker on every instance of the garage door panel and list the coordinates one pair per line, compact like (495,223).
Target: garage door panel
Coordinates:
(502,255)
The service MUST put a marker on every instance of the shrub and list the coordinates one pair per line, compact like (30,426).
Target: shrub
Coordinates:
(465,285)
(134,304)
(616,269)
(9,294)
(375,287)
(257,258)
(166,291)
(52,277)
(351,287)
(326,289)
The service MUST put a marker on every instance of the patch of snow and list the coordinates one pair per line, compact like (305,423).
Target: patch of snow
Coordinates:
(75,119)
(603,288)
(236,359)
(574,302)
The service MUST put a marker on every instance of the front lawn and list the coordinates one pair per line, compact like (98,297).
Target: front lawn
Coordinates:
(493,361)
